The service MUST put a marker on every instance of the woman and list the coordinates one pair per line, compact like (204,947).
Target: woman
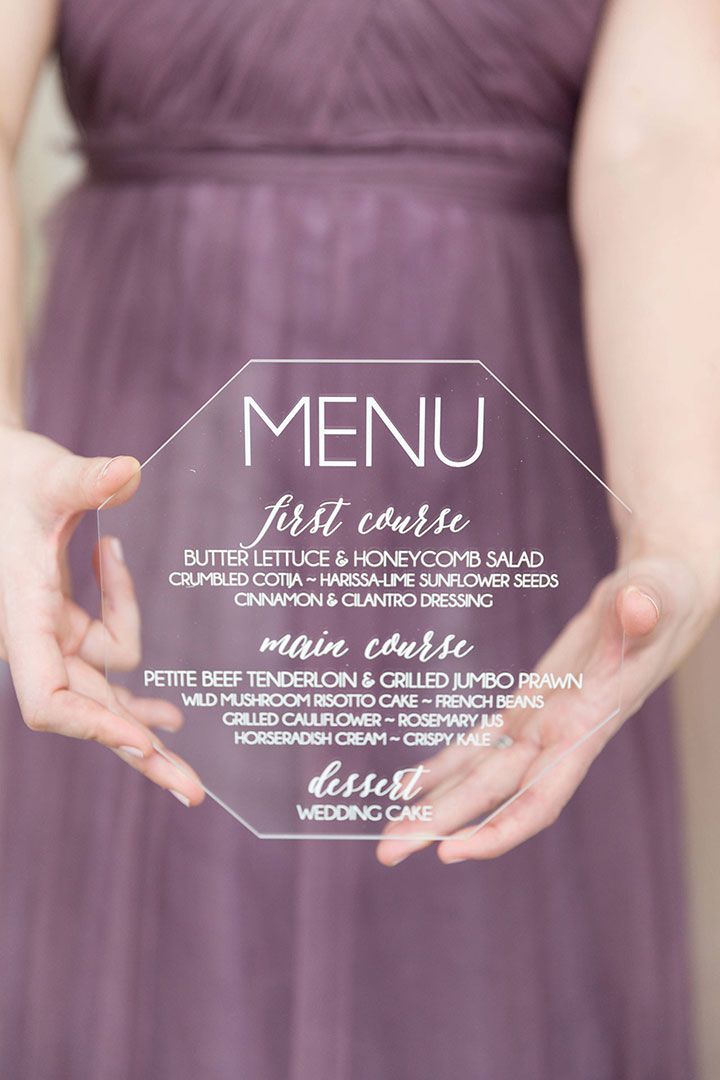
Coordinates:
(361,179)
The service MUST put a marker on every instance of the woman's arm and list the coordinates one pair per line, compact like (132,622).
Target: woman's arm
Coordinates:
(646,216)
(26,32)
(56,650)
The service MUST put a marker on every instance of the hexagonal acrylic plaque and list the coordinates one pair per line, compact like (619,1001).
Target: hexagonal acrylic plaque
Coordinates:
(355,579)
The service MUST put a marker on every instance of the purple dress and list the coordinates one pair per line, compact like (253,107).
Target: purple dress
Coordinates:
(323,178)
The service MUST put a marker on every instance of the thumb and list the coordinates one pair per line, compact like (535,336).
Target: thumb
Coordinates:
(639,609)
(78,483)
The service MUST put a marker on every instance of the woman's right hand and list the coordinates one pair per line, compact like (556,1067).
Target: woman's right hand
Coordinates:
(55,649)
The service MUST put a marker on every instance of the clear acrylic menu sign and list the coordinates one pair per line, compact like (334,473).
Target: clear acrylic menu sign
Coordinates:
(348,590)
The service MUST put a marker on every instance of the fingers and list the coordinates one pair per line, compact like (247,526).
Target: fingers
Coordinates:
(172,772)
(169,772)
(63,694)
(179,778)
(67,696)
(495,781)
(113,640)
(153,712)
(642,615)
(75,483)
(60,710)
(534,808)
(443,768)
(48,703)
(159,764)
(495,777)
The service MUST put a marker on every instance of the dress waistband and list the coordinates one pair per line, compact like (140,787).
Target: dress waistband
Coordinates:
(497,167)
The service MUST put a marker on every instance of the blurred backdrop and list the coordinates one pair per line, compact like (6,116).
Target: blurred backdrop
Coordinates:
(47,166)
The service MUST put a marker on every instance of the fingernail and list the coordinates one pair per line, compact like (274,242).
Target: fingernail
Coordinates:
(160,749)
(400,858)
(413,847)
(133,751)
(106,466)
(647,596)
(117,549)
(449,862)
(652,600)
(179,796)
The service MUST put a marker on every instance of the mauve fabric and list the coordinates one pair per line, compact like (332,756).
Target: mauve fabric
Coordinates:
(326,178)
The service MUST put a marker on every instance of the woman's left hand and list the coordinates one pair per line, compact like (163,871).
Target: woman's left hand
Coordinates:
(648,614)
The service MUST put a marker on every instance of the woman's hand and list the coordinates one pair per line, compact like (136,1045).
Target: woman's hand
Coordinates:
(56,651)
(647,614)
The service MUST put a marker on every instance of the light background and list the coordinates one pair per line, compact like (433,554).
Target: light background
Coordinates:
(46,168)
